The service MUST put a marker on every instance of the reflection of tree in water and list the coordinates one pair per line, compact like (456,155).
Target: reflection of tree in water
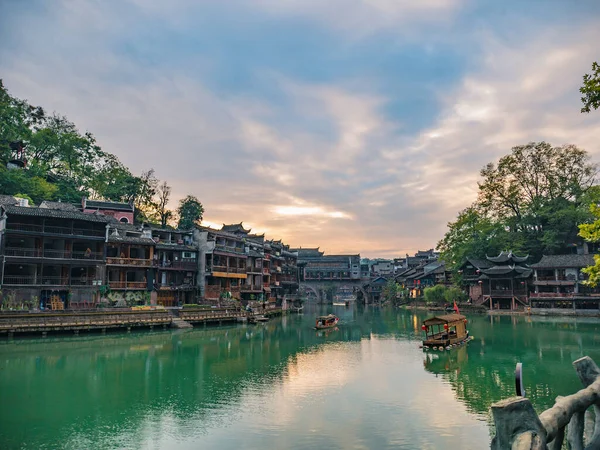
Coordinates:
(482,372)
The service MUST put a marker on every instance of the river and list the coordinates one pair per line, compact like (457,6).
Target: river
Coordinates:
(283,385)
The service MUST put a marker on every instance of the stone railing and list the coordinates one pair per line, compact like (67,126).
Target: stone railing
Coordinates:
(518,427)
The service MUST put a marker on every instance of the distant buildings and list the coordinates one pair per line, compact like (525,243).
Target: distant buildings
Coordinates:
(320,267)
(64,256)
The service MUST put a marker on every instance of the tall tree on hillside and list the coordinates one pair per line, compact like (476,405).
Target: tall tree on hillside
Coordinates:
(531,202)
(163,213)
(591,89)
(146,189)
(473,234)
(190,212)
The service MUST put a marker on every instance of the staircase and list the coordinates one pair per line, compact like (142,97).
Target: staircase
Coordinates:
(176,322)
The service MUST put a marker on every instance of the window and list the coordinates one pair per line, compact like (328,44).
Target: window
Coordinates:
(190,255)
(124,220)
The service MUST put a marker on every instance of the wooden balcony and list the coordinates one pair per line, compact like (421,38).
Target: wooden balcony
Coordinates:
(127,284)
(177,265)
(227,272)
(19,252)
(39,229)
(229,249)
(254,269)
(551,295)
(116,261)
(43,281)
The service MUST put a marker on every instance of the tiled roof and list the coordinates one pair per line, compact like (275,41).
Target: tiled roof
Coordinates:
(509,271)
(235,228)
(130,240)
(504,257)
(479,263)
(165,246)
(63,206)
(115,206)
(54,213)
(564,261)
(7,200)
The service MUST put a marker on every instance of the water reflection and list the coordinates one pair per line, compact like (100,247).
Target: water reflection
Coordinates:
(282,384)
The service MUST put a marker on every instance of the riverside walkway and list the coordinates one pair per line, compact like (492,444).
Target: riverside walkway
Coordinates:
(13,323)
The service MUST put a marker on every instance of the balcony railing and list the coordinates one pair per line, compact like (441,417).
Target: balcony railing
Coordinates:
(127,284)
(225,269)
(551,295)
(35,228)
(228,249)
(254,269)
(505,292)
(51,281)
(51,254)
(115,261)
(181,265)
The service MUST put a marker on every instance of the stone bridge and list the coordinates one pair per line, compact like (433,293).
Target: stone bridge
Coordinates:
(319,287)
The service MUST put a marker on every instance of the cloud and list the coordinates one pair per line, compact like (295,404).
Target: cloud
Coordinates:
(336,161)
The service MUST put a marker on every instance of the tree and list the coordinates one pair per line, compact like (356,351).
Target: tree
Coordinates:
(591,233)
(452,294)
(163,213)
(530,202)
(390,291)
(474,235)
(591,89)
(62,162)
(435,294)
(146,189)
(190,212)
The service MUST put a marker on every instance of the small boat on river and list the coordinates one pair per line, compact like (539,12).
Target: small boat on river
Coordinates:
(445,332)
(324,322)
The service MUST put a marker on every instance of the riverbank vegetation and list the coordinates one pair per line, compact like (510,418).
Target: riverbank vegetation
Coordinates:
(62,163)
(536,200)
(531,201)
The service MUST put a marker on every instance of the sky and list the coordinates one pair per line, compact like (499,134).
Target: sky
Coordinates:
(356,126)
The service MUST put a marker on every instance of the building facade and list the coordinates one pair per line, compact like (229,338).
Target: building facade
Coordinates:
(558,282)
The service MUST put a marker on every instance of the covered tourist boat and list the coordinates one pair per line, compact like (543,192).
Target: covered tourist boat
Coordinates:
(445,332)
(329,321)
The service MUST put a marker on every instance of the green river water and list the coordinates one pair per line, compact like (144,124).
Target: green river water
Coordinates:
(283,385)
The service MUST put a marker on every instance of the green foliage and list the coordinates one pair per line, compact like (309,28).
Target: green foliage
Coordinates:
(591,89)
(435,294)
(26,197)
(591,233)
(190,212)
(452,294)
(64,163)
(530,202)
(390,291)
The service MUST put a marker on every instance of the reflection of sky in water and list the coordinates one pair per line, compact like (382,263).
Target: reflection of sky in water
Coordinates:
(367,395)
(282,384)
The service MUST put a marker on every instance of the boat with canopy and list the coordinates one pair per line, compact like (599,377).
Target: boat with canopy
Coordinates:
(445,332)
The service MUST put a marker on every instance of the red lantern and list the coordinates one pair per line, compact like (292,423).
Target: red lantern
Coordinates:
(445,326)
(424,327)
